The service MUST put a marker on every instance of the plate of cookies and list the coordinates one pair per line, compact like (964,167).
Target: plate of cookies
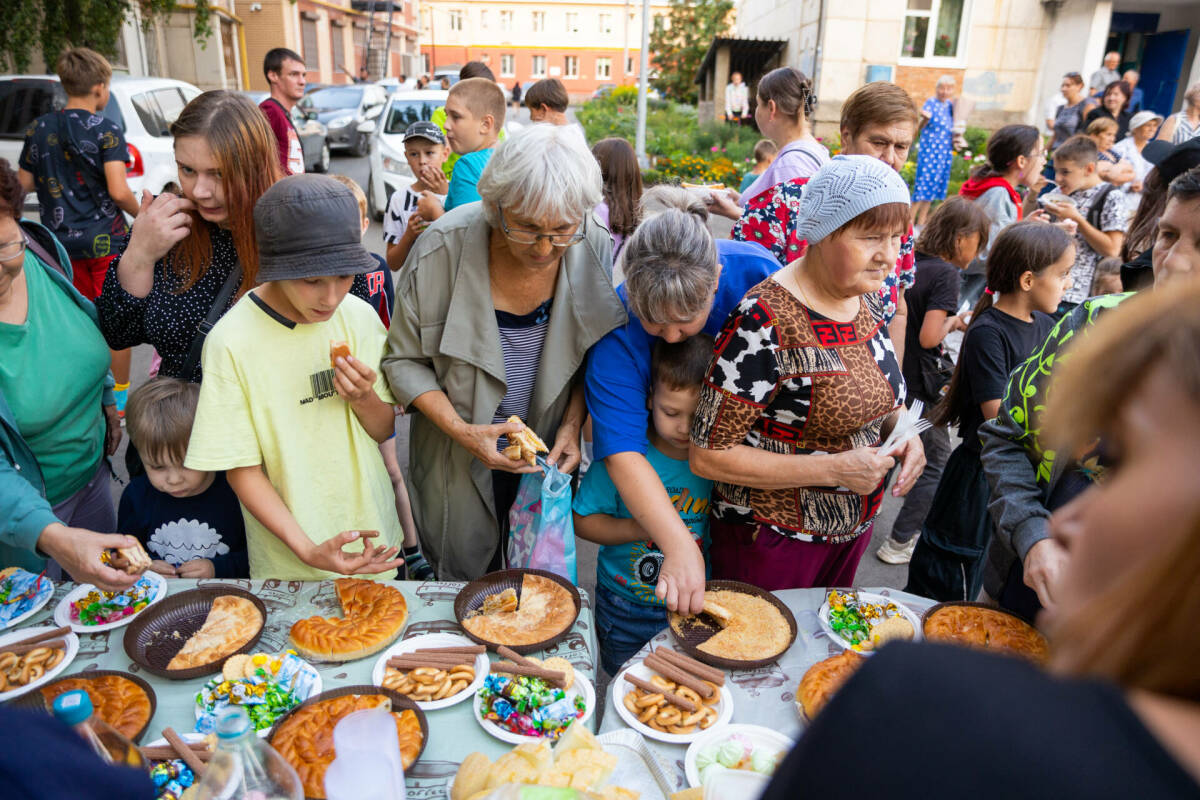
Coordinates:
(32,657)
(434,670)
(671,697)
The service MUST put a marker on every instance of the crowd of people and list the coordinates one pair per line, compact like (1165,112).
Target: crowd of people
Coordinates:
(723,400)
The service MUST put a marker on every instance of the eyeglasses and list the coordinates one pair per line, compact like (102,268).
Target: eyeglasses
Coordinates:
(11,249)
(533,237)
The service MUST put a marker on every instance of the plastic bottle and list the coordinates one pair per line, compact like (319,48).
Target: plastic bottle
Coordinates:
(75,709)
(244,767)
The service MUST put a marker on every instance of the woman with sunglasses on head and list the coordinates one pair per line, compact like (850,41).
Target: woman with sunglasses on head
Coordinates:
(496,308)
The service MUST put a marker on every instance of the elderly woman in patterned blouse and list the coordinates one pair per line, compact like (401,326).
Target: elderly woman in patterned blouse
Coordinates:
(803,385)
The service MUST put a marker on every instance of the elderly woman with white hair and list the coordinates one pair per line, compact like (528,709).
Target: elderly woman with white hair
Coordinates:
(678,282)
(933,149)
(802,389)
(496,308)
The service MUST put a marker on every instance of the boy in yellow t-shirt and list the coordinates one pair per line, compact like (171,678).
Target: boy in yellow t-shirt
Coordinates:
(297,430)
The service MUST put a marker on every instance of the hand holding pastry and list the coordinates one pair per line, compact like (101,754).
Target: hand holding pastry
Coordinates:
(79,550)
(353,379)
(482,441)
(524,444)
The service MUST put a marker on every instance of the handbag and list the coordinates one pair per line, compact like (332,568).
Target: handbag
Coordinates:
(541,526)
(936,368)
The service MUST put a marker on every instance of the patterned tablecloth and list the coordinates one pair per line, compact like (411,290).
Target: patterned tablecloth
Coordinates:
(453,732)
(763,696)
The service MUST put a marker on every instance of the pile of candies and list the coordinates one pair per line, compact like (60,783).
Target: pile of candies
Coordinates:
(277,686)
(528,706)
(171,779)
(19,591)
(736,752)
(100,608)
(852,618)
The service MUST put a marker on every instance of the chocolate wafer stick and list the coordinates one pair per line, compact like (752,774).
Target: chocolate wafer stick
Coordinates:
(514,656)
(703,671)
(677,674)
(438,658)
(25,647)
(164,752)
(185,752)
(671,697)
(474,649)
(42,637)
(417,662)
(554,676)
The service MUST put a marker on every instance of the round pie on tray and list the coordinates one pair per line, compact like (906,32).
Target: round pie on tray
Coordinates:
(305,739)
(750,628)
(373,615)
(545,610)
(118,701)
(987,628)
(823,679)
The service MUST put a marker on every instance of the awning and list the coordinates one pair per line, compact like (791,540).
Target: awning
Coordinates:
(746,56)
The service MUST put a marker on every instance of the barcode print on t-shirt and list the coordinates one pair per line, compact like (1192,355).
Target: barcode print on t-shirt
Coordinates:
(322,384)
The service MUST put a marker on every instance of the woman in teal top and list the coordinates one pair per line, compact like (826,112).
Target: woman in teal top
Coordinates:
(57,418)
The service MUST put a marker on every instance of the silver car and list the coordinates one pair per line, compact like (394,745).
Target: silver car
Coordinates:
(341,109)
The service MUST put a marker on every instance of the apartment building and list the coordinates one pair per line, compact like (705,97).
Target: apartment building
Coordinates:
(584,44)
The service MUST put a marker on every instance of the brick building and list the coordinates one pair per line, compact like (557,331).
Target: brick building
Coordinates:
(584,44)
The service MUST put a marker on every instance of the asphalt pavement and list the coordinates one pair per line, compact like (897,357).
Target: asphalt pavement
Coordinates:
(871,572)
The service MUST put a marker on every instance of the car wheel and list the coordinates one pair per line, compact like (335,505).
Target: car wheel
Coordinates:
(358,148)
(373,211)
(322,164)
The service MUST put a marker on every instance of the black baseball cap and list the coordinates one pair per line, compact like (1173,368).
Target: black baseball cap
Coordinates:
(1172,160)
(308,226)
(425,130)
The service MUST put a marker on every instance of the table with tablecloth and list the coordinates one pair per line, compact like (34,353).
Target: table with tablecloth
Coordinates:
(453,732)
(764,696)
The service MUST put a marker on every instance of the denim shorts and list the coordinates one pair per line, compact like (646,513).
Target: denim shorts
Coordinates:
(623,627)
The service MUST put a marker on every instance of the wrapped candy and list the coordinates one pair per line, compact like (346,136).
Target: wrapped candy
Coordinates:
(528,706)
(171,778)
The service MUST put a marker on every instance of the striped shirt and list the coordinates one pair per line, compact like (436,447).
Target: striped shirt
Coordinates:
(521,339)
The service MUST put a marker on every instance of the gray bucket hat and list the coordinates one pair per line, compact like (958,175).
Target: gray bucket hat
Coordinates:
(308,226)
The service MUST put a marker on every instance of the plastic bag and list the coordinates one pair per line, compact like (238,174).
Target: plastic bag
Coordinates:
(542,530)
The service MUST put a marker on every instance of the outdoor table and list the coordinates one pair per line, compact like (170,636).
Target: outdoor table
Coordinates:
(453,732)
(764,696)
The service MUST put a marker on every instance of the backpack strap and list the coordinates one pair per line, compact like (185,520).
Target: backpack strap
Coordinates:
(43,245)
(232,281)
(1093,214)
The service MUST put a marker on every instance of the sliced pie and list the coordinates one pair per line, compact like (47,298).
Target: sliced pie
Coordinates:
(750,627)
(373,615)
(545,610)
(231,623)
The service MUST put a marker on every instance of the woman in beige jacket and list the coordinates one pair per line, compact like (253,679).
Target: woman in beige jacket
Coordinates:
(496,308)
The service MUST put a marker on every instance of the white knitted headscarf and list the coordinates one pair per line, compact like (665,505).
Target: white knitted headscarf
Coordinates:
(844,188)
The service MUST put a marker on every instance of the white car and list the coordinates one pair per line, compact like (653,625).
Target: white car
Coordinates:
(144,108)
(388,169)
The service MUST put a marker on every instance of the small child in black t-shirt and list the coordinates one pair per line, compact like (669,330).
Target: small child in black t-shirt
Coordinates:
(189,521)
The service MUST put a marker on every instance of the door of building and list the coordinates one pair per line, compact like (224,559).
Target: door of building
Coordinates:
(1162,61)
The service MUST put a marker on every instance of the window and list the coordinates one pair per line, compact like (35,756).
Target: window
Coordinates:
(539,64)
(22,100)
(403,113)
(539,21)
(606,23)
(571,67)
(933,29)
(456,20)
(572,22)
(308,29)
(483,19)
(507,67)
(603,68)
(338,40)
(630,65)
(506,20)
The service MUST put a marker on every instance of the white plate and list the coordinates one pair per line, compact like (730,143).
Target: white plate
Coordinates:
(316,690)
(434,640)
(45,592)
(189,738)
(17,636)
(868,597)
(756,734)
(581,686)
(62,612)
(640,670)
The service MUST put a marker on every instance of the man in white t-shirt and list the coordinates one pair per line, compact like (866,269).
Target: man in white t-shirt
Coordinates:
(737,99)
(425,151)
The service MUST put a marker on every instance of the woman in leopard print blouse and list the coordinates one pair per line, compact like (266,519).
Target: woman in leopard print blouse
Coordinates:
(803,381)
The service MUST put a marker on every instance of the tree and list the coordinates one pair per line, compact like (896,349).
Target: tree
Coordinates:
(51,26)
(677,48)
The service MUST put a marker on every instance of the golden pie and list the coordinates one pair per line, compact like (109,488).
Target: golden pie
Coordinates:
(373,615)
(986,628)
(545,610)
(305,739)
(823,679)
(231,622)
(118,701)
(751,628)
(524,446)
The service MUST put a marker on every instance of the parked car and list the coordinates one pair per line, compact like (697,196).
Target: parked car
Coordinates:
(144,108)
(385,137)
(449,74)
(603,90)
(313,135)
(342,109)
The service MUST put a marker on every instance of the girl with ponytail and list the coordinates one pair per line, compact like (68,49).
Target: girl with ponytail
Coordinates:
(1028,270)
(1015,156)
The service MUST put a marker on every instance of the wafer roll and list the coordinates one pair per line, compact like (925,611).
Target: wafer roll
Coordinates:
(42,637)
(533,671)
(697,668)
(26,647)
(671,697)
(185,752)
(677,674)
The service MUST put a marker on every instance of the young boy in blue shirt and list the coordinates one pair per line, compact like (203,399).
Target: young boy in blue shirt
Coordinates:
(627,612)
(474,118)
